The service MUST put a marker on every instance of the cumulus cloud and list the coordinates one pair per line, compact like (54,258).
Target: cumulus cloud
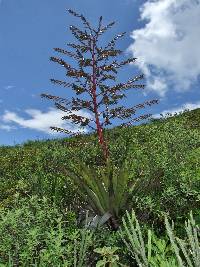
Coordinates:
(167,47)
(187,106)
(41,121)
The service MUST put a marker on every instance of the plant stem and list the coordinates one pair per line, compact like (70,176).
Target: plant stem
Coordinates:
(94,87)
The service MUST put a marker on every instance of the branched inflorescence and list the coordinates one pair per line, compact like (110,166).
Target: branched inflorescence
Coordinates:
(96,69)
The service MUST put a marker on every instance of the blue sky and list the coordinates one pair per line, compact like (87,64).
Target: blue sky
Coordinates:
(163,34)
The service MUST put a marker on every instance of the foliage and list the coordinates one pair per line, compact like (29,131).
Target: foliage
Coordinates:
(189,248)
(80,251)
(153,168)
(149,252)
(36,233)
(160,253)
(109,257)
(31,170)
(168,159)
(135,244)
(157,252)
(163,157)
(106,193)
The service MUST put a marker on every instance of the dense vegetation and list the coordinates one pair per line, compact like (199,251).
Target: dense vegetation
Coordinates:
(42,215)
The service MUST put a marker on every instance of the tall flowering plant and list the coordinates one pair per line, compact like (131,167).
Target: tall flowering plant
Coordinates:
(96,67)
(95,78)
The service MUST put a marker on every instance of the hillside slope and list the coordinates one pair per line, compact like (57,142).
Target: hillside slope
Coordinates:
(164,156)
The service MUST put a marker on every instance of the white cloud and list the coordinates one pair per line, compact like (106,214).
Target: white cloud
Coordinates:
(8,87)
(42,121)
(189,106)
(167,47)
(7,127)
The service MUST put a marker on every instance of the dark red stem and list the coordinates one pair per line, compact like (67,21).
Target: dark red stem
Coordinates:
(94,87)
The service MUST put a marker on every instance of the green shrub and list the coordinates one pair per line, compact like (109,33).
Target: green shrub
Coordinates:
(166,159)
(36,233)
(34,171)
(156,252)
(190,247)
(164,162)
(110,258)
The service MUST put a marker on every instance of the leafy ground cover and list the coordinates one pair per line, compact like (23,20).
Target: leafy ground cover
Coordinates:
(42,215)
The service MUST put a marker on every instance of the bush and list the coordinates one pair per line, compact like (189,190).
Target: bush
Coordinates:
(165,160)
(156,252)
(36,233)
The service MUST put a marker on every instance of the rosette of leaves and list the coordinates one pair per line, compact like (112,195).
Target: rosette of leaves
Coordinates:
(106,190)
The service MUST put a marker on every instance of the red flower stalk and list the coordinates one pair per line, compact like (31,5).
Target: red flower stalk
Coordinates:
(89,55)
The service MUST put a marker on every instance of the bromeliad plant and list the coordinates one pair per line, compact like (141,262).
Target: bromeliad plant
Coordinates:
(96,66)
(106,191)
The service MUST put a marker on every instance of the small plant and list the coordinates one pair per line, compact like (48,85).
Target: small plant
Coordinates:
(135,243)
(189,249)
(81,248)
(156,252)
(153,252)
(110,259)
(160,252)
